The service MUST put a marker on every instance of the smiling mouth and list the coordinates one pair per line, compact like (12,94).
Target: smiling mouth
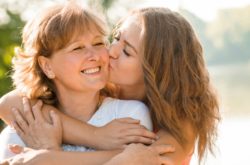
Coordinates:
(92,70)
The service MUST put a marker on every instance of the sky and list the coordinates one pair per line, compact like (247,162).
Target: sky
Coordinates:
(204,9)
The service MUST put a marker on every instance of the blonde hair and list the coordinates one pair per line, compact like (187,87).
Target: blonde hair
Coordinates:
(46,33)
(177,82)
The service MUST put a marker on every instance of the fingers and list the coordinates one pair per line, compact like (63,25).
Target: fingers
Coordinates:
(27,110)
(138,139)
(162,149)
(20,123)
(128,120)
(141,131)
(19,131)
(37,111)
(16,149)
(55,119)
(146,133)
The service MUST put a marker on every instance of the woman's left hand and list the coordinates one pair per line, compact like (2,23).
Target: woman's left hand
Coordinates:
(34,130)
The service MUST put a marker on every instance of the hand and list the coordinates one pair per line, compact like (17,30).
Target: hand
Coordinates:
(34,130)
(143,155)
(26,156)
(121,132)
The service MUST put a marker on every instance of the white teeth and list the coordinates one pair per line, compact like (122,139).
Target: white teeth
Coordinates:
(92,70)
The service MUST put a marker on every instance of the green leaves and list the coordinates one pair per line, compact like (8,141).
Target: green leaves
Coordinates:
(10,38)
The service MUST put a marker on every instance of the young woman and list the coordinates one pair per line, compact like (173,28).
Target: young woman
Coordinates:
(163,52)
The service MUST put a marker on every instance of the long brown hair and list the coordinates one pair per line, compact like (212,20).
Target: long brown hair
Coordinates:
(177,82)
(46,33)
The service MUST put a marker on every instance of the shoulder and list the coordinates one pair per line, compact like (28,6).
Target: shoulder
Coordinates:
(126,105)
(132,108)
(7,101)
(129,103)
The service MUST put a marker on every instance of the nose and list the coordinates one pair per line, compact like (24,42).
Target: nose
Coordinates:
(114,51)
(93,55)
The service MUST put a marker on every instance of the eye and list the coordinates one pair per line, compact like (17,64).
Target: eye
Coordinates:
(125,52)
(78,48)
(99,44)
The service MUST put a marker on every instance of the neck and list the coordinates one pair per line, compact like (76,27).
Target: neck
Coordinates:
(132,93)
(79,105)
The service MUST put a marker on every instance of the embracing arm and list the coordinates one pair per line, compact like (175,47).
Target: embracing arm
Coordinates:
(7,101)
(80,130)
(77,158)
(182,153)
(27,156)
(145,155)
(111,136)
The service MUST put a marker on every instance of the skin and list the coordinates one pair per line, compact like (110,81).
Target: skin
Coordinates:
(127,60)
(82,54)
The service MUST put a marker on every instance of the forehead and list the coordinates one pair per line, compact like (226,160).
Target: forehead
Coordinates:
(132,30)
(92,31)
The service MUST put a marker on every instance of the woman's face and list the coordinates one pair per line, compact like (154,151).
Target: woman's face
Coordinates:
(125,55)
(82,65)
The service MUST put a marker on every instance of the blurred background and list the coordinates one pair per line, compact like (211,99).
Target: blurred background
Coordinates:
(224,29)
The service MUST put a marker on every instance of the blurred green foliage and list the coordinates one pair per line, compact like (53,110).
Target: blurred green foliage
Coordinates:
(10,38)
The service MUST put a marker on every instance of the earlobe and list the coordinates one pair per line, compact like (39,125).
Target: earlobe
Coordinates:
(45,66)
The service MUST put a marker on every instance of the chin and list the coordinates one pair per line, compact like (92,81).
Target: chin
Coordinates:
(112,79)
(100,85)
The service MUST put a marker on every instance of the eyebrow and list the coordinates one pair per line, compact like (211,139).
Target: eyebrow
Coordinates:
(130,45)
(98,36)
(77,41)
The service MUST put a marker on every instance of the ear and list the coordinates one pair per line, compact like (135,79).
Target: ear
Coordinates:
(45,65)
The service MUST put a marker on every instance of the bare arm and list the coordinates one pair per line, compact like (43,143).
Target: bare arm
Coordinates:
(9,100)
(79,130)
(51,157)
(145,155)
(181,152)
(111,136)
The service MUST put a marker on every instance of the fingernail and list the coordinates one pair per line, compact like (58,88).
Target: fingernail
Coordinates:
(25,99)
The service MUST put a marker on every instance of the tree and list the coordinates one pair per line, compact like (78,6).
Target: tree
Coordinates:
(230,34)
